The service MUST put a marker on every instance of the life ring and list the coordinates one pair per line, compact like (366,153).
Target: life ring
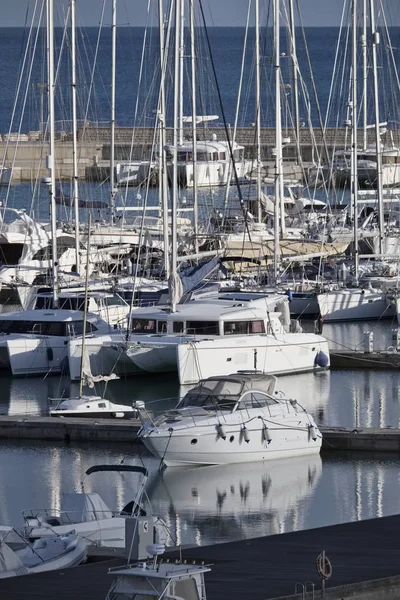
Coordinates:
(324,566)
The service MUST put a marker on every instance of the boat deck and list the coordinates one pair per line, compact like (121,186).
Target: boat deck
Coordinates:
(360,552)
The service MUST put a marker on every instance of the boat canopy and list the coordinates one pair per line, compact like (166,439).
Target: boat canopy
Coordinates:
(227,390)
(83,507)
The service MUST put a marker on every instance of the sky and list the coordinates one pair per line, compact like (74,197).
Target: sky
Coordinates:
(220,12)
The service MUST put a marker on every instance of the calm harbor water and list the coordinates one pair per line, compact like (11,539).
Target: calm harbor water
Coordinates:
(206,505)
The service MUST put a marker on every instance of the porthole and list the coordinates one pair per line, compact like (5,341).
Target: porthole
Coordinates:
(231,438)
(193,441)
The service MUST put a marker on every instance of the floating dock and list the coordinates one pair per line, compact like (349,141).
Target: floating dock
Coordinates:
(364,558)
(69,429)
(349,359)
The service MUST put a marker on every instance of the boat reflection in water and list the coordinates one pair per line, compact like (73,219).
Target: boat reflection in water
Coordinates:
(213,504)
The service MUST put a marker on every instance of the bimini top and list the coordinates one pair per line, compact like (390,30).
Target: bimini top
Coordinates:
(229,387)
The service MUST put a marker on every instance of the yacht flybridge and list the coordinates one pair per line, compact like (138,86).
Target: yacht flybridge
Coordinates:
(232,419)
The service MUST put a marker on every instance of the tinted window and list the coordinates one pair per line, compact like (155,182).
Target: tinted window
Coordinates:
(177,327)
(202,327)
(143,326)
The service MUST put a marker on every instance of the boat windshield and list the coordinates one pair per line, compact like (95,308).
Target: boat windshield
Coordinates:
(213,395)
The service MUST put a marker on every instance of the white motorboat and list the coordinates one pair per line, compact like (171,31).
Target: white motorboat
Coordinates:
(213,163)
(231,419)
(89,516)
(55,552)
(90,406)
(158,579)
(216,336)
(35,342)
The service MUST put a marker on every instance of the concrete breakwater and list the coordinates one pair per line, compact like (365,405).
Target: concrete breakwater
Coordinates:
(27,152)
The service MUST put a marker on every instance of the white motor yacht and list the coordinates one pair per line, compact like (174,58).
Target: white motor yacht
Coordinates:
(213,162)
(231,419)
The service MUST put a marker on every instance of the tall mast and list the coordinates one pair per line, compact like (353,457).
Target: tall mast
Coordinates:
(365,76)
(354,140)
(74,134)
(194,126)
(279,197)
(295,95)
(181,57)
(51,156)
(375,42)
(112,117)
(258,112)
(163,184)
(174,252)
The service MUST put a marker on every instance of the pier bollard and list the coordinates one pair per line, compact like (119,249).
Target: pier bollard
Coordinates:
(368,342)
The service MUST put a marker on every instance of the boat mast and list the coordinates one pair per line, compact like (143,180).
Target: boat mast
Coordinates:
(365,75)
(51,156)
(375,42)
(258,113)
(295,96)
(163,184)
(354,140)
(174,254)
(85,308)
(112,117)
(181,57)
(279,224)
(194,127)
(74,134)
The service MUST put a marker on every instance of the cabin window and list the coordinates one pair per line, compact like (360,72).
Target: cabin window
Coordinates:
(76,328)
(202,327)
(178,327)
(113,301)
(222,156)
(37,327)
(101,405)
(256,400)
(43,254)
(215,156)
(257,327)
(162,326)
(243,327)
(11,253)
(143,326)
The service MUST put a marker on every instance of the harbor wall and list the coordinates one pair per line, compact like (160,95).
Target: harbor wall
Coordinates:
(27,152)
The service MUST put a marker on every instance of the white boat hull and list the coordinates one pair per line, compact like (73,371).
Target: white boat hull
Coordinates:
(208,448)
(355,305)
(194,360)
(33,356)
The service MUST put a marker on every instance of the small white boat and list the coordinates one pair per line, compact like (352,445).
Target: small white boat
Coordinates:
(54,552)
(90,517)
(158,579)
(231,419)
(90,406)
